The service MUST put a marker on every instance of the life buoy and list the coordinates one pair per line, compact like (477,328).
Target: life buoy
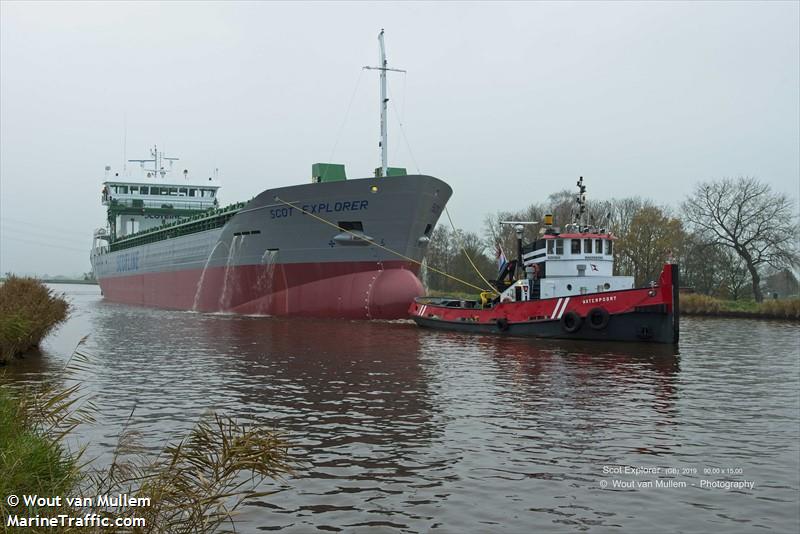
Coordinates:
(571,322)
(598,318)
(502,324)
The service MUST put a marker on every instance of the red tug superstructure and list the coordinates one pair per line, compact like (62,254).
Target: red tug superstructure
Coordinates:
(562,286)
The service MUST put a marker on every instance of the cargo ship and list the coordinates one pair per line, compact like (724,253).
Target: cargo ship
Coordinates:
(334,247)
(562,285)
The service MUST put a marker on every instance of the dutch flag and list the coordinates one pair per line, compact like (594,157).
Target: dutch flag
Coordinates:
(502,261)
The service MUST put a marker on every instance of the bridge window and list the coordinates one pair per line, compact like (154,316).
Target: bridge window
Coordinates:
(609,247)
(576,246)
(183,191)
(134,190)
(587,246)
(123,189)
(559,246)
(551,246)
(598,246)
(192,192)
(144,190)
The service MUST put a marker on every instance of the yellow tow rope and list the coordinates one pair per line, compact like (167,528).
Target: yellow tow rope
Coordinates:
(464,249)
(372,242)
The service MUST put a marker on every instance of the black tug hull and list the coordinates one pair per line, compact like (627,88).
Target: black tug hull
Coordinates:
(640,327)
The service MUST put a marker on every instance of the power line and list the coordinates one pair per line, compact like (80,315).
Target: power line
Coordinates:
(43,234)
(48,245)
(9,220)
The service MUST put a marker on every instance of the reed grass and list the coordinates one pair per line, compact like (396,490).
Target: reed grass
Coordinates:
(195,484)
(696,304)
(29,310)
(31,462)
(198,483)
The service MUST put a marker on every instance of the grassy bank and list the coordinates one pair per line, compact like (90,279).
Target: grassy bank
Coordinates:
(193,485)
(29,311)
(30,462)
(694,304)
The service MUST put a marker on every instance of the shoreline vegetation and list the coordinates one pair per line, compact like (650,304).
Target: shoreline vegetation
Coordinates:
(29,311)
(82,281)
(193,485)
(196,484)
(704,305)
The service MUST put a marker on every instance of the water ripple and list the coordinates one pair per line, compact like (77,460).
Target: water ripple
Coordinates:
(399,429)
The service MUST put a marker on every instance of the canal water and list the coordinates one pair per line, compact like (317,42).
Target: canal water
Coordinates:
(399,429)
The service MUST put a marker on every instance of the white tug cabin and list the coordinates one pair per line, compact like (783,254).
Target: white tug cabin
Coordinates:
(579,261)
(144,198)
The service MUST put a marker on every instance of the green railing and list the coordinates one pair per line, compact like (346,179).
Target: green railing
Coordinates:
(208,220)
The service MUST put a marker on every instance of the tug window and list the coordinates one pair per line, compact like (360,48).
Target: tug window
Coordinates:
(551,246)
(559,246)
(609,247)
(134,190)
(587,246)
(576,246)
(598,246)
(144,190)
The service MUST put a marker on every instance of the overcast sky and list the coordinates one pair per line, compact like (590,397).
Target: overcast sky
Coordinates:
(506,102)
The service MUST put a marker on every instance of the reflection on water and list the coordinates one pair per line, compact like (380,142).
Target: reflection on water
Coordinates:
(402,429)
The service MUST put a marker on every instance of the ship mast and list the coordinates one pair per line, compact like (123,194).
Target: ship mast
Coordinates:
(383,67)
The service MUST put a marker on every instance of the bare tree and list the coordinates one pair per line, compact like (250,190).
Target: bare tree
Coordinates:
(651,237)
(702,265)
(747,217)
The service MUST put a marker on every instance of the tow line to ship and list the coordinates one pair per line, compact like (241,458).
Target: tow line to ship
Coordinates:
(464,248)
(384,247)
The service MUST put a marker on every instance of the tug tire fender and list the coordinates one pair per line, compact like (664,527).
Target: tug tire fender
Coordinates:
(571,322)
(502,324)
(598,318)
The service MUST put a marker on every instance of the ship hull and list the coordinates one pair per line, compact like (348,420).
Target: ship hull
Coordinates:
(363,290)
(282,254)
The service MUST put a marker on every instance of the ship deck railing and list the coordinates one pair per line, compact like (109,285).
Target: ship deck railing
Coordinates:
(208,220)
(161,203)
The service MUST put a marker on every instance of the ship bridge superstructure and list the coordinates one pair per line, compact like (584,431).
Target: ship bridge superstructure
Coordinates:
(152,195)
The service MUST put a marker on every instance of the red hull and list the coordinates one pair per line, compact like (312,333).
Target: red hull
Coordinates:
(353,290)
(627,315)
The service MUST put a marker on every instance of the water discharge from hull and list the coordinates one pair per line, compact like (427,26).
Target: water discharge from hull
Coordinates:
(265,282)
(199,289)
(233,251)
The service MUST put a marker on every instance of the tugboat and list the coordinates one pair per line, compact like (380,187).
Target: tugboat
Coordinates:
(562,286)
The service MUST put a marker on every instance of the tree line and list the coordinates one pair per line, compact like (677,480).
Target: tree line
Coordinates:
(727,235)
